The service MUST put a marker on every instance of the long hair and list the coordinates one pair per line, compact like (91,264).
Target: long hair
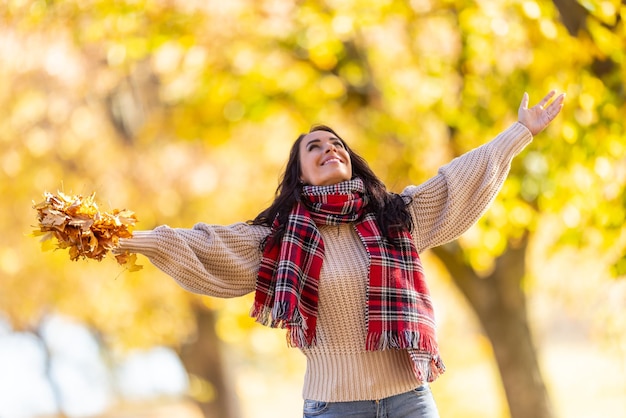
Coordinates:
(389,208)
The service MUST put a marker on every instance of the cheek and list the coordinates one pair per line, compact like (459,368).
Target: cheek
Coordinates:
(305,165)
(349,160)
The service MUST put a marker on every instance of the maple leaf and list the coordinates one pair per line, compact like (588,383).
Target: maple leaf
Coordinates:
(129,260)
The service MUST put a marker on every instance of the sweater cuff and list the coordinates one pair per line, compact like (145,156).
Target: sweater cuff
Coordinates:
(142,242)
(513,140)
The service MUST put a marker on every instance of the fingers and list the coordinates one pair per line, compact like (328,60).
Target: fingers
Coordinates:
(555,107)
(546,99)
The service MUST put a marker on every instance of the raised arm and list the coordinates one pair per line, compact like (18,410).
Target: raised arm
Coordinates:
(213,260)
(447,205)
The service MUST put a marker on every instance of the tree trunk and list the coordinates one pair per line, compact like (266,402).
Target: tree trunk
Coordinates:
(573,15)
(500,304)
(202,358)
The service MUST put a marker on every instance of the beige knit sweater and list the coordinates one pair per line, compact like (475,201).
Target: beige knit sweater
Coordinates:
(222,261)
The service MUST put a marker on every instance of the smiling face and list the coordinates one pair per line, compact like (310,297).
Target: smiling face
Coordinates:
(324,159)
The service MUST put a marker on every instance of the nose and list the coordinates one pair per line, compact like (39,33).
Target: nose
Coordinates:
(330,147)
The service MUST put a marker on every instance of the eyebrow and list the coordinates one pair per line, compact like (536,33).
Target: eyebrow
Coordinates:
(332,138)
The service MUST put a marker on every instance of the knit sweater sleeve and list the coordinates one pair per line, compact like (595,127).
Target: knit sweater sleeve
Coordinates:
(220,261)
(448,204)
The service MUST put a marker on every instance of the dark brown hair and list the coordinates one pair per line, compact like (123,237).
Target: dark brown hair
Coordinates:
(389,208)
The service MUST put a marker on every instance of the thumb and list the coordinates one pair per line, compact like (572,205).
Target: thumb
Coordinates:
(524,104)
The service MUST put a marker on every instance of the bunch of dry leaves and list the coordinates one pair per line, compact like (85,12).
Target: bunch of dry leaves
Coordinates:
(77,223)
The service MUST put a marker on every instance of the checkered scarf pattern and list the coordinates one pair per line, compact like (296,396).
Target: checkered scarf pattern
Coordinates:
(399,309)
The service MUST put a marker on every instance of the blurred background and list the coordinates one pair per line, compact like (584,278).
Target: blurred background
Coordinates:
(184,112)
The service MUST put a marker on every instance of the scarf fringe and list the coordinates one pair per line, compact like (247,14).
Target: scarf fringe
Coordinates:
(428,369)
(262,314)
(275,317)
(427,364)
(402,340)
(297,337)
(270,316)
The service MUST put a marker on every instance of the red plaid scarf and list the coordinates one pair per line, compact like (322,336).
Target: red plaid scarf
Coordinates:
(399,309)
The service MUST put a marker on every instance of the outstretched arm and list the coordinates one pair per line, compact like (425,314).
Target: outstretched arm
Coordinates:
(214,260)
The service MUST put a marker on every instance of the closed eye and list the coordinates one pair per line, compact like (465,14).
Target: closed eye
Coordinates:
(338,144)
(315,143)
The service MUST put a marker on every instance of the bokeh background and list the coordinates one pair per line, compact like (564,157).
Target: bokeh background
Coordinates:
(184,111)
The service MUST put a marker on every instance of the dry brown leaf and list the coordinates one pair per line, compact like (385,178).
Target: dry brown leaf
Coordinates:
(78,225)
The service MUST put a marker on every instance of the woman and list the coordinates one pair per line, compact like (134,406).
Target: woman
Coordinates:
(334,260)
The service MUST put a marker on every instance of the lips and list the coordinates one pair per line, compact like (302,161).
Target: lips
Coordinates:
(330,160)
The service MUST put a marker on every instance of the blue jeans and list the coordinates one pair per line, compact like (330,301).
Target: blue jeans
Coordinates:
(418,403)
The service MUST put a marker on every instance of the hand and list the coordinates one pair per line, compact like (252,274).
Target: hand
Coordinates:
(539,116)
